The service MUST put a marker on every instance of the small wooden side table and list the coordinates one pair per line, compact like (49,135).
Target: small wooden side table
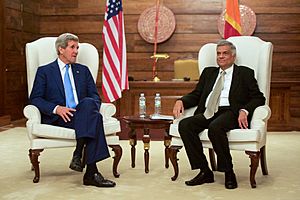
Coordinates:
(135,122)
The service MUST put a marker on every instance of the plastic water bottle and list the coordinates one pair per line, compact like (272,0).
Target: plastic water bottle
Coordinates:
(142,105)
(157,104)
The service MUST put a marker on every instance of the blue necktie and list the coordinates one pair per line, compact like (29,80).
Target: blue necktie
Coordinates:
(70,100)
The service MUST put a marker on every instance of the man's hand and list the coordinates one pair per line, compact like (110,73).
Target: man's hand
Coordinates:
(243,122)
(65,113)
(178,108)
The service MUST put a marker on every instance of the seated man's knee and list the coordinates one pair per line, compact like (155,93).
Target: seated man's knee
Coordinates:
(87,102)
(183,126)
(212,129)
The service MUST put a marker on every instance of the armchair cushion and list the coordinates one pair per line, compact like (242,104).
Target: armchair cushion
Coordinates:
(261,114)
(111,125)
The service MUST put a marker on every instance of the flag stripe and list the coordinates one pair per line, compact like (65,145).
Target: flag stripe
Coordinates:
(114,71)
(232,18)
(236,25)
(111,60)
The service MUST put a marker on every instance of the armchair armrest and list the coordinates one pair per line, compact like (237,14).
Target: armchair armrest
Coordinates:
(32,113)
(107,110)
(260,117)
(262,113)
(187,113)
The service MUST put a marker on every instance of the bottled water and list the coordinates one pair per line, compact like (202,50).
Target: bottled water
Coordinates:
(142,105)
(157,104)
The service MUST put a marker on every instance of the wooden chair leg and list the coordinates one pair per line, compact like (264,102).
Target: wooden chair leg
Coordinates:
(263,161)
(212,159)
(173,150)
(34,159)
(254,157)
(118,154)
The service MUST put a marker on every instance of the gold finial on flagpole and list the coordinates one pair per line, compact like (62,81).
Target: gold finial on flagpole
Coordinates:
(156,57)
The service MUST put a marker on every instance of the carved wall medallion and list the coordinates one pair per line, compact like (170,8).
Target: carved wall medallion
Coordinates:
(166,24)
(248,21)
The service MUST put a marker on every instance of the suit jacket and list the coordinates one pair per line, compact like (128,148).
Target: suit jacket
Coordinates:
(244,92)
(48,89)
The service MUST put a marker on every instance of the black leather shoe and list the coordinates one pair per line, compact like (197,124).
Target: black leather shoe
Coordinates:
(98,181)
(76,164)
(230,180)
(207,177)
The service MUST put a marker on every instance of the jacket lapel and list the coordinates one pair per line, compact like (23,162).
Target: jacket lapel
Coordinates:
(77,79)
(58,79)
(235,80)
(213,79)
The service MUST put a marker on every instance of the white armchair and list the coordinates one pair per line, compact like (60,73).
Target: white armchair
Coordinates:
(256,54)
(43,136)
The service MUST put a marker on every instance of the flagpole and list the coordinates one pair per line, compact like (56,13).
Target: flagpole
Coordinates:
(154,72)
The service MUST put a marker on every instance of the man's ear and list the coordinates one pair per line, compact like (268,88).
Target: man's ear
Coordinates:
(61,50)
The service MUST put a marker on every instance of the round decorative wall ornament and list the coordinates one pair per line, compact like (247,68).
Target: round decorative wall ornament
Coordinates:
(166,24)
(248,21)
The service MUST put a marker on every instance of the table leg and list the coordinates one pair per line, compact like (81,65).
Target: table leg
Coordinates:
(146,141)
(132,142)
(167,143)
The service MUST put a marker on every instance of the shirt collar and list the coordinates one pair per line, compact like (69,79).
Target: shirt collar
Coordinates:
(228,70)
(61,64)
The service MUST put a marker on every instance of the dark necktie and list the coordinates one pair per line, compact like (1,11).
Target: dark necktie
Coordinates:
(70,100)
(214,100)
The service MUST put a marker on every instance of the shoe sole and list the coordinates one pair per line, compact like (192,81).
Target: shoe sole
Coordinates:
(208,181)
(230,188)
(88,184)
(76,169)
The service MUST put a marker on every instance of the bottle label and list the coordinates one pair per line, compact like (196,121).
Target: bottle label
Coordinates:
(157,103)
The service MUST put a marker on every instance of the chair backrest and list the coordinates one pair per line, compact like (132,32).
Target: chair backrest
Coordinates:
(42,51)
(251,52)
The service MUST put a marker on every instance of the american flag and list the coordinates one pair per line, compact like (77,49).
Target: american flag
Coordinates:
(114,70)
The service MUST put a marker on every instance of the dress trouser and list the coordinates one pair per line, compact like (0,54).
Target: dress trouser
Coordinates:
(189,129)
(88,123)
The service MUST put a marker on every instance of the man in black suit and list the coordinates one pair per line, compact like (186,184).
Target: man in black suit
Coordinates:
(67,96)
(239,97)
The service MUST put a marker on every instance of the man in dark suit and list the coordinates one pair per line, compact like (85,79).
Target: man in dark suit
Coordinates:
(66,95)
(238,97)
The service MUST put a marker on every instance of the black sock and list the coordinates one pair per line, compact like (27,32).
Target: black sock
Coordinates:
(229,171)
(206,170)
(91,169)
(79,147)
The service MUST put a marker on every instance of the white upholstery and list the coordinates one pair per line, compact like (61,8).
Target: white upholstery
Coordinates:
(256,54)
(43,136)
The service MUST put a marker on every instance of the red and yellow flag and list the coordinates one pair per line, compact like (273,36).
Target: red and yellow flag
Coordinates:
(232,19)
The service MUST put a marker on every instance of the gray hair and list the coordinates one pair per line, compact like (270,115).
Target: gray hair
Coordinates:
(63,39)
(227,43)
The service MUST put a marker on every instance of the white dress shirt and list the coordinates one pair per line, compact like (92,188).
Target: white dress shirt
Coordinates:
(224,97)
(62,68)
